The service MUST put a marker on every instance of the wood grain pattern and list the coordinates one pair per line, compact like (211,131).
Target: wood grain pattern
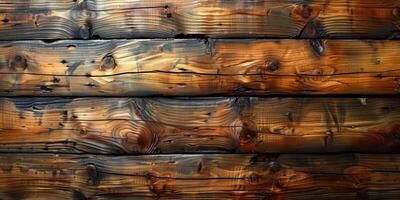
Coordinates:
(66,19)
(348,176)
(199,67)
(199,125)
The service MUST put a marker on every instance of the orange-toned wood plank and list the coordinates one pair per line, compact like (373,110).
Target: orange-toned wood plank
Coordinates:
(199,125)
(66,19)
(199,67)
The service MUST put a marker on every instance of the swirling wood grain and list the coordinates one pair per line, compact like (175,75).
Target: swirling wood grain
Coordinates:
(199,67)
(190,125)
(66,19)
(284,176)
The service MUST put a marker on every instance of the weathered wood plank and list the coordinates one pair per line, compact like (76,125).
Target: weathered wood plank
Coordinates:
(193,125)
(285,176)
(199,67)
(66,19)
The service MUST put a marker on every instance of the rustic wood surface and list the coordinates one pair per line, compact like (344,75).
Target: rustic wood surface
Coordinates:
(284,176)
(321,63)
(199,67)
(67,19)
(199,125)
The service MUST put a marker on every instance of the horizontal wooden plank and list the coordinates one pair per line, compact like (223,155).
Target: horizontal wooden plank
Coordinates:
(66,19)
(199,67)
(199,125)
(347,176)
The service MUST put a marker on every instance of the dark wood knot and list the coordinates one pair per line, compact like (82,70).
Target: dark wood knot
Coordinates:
(45,89)
(247,134)
(304,11)
(253,178)
(82,4)
(274,166)
(84,32)
(83,131)
(289,115)
(108,63)
(19,62)
(167,11)
(318,46)
(272,65)
(93,174)
(281,183)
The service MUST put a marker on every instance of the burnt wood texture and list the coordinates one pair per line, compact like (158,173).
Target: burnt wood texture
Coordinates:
(88,19)
(199,176)
(190,125)
(197,67)
(199,99)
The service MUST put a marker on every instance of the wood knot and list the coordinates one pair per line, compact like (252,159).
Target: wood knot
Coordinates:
(167,11)
(247,134)
(108,63)
(243,88)
(289,115)
(281,183)
(317,46)
(45,89)
(147,175)
(274,166)
(272,65)
(199,167)
(56,80)
(253,178)
(84,32)
(82,4)
(136,138)
(83,132)
(18,62)
(92,174)
(304,11)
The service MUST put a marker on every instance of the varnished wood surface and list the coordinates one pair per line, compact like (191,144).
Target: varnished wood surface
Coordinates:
(199,67)
(284,176)
(199,125)
(67,19)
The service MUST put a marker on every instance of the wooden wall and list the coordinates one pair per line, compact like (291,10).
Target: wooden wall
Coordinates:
(199,99)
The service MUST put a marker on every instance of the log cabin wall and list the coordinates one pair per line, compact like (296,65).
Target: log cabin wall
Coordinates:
(199,99)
